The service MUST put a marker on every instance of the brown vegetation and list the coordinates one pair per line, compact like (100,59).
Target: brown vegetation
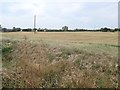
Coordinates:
(75,37)
(33,65)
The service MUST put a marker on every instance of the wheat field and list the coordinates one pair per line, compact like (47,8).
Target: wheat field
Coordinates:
(60,60)
(85,37)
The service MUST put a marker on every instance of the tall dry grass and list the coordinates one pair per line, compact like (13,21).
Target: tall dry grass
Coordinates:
(37,65)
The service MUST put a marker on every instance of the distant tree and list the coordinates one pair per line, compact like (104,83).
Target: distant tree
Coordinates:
(18,29)
(34,30)
(105,29)
(27,30)
(0,28)
(117,29)
(45,29)
(4,29)
(14,29)
(112,30)
(65,28)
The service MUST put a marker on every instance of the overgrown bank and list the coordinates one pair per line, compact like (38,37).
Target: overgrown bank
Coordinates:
(28,64)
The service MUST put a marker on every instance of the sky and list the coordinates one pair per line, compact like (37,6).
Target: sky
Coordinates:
(54,14)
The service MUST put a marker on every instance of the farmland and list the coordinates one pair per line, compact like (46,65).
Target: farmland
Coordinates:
(60,59)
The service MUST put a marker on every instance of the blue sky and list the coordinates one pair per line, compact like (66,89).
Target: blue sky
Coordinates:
(57,13)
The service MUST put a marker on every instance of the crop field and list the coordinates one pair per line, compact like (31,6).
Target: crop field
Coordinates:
(60,60)
(78,37)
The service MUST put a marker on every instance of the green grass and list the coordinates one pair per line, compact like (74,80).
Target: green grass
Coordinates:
(6,49)
(88,47)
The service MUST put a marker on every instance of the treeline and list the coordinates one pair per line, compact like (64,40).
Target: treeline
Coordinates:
(59,30)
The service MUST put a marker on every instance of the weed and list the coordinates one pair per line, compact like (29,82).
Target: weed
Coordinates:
(6,49)
(30,64)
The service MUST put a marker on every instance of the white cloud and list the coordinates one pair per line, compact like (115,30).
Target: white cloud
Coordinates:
(106,16)
(71,8)
(59,1)
(85,20)
(56,13)
(30,8)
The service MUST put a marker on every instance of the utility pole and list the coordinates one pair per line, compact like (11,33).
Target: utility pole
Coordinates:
(34,29)
(119,14)
(34,21)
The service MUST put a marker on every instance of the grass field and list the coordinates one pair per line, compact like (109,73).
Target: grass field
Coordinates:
(60,59)
(77,37)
